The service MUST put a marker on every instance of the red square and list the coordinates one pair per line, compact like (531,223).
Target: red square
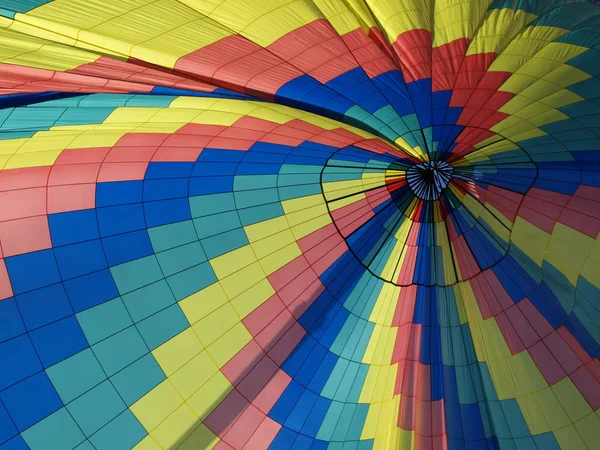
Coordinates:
(24,235)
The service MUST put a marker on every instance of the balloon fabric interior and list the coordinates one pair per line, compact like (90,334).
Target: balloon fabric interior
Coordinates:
(299,224)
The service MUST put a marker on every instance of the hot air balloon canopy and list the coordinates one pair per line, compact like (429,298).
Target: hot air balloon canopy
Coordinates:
(299,224)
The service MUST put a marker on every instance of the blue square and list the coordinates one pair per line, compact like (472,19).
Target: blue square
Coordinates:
(32,271)
(71,227)
(18,361)
(165,189)
(58,340)
(17,443)
(168,170)
(91,290)
(121,219)
(118,193)
(127,247)
(167,211)
(80,259)
(43,306)
(11,324)
(7,427)
(31,400)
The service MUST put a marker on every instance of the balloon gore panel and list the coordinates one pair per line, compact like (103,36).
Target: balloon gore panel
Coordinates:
(310,224)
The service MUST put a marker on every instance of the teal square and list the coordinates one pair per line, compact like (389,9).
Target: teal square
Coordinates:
(181,258)
(76,375)
(133,275)
(96,408)
(162,326)
(172,235)
(217,223)
(58,431)
(207,205)
(137,379)
(120,350)
(104,320)
(189,281)
(122,433)
(148,300)
(224,243)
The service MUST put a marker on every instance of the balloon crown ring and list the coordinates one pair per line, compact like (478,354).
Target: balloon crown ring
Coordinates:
(429,180)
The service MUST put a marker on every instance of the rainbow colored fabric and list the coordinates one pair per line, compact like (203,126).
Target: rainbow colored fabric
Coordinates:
(299,224)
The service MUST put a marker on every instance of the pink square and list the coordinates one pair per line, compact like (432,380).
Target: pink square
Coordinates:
(264,435)
(5,287)
(24,235)
(71,198)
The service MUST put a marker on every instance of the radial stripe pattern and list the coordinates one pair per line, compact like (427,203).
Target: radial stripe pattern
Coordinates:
(299,224)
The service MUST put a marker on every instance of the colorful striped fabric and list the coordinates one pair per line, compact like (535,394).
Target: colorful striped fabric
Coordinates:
(299,224)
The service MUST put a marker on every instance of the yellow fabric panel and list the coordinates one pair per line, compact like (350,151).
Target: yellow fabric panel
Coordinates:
(341,16)
(217,118)
(216,324)
(396,18)
(360,9)
(243,279)
(202,303)
(381,345)
(201,437)
(513,376)
(177,351)
(165,49)
(261,22)
(385,306)
(131,115)
(122,31)
(381,422)
(213,392)
(83,14)
(228,345)
(233,261)
(566,75)
(35,159)
(567,251)
(524,46)
(271,244)
(156,405)
(299,210)
(554,413)
(147,444)
(569,439)
(533,414)
(530,239)
(571,399)
(456,19)
(499,216)
(26,46)
(252,298)
(175,428)
(591,269)
(280,258)
(194,374)
(483,215)
(498,29)
(589,429)
(270,235)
